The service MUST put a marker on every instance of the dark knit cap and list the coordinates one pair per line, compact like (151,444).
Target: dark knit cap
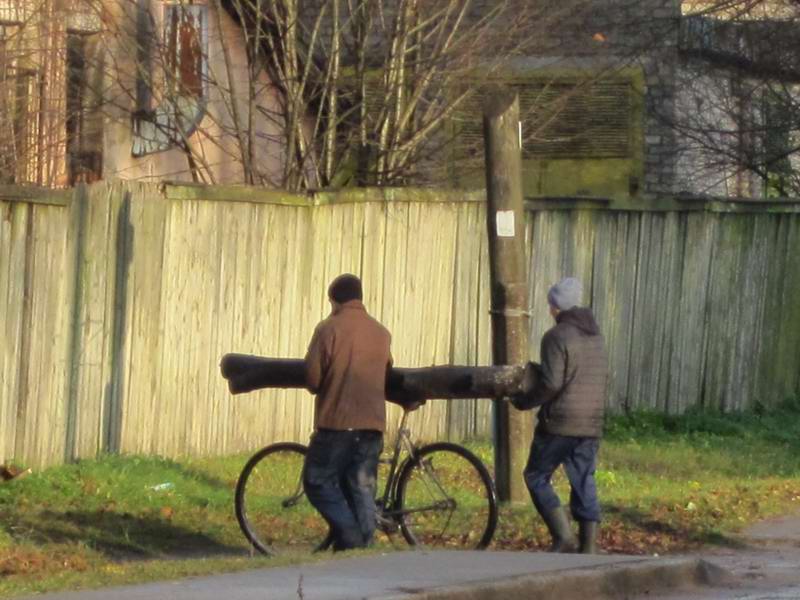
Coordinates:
(344,288)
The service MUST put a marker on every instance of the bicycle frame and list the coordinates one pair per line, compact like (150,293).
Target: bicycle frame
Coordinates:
(403,441)
(386,507)
(407,462)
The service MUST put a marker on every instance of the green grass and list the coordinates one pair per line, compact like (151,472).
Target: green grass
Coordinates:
(674,483)
(667,484)
(106,521)
(699,477)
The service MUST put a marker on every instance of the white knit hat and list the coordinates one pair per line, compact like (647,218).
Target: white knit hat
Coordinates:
(565,294)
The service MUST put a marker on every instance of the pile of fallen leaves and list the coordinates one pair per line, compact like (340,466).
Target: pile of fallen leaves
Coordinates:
(704,516)
(29,561)
(615,537)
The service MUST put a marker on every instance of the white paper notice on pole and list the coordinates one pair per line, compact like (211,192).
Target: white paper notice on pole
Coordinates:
(505,223)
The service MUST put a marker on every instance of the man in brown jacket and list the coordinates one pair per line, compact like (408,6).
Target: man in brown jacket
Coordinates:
(346,368)
(571,391)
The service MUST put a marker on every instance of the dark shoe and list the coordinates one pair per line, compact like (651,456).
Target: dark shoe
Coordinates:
(558,525)
(587,533)
(348,540)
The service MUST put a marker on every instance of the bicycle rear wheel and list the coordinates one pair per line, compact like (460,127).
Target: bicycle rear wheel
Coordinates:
(271,507)
(446,498)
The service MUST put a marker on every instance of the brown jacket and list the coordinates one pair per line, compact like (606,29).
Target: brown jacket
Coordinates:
(346,366)
(571,388)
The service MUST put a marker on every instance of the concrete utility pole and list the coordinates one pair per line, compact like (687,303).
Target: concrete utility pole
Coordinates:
(509,281)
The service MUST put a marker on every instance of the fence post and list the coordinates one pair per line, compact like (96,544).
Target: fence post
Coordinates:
(509,281)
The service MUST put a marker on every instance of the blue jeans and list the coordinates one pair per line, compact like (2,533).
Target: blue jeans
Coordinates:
(339,479)
(579,457)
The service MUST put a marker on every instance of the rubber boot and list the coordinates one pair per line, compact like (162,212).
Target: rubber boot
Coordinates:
(558,525)
(587,534)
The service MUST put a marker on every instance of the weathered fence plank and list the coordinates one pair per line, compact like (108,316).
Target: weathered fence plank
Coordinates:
(614,276)
(728,277)
(688,330)
(656,294)
(41,418)
(13,228)
(145,393)
(548,234)
(466,419)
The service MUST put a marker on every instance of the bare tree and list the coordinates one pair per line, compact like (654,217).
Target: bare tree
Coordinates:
(294,94)
(31,94)
(364,91)
(369,86)
(738,116)
(301,94)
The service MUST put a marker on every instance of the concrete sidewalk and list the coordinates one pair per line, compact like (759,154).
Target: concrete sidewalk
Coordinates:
(435,575)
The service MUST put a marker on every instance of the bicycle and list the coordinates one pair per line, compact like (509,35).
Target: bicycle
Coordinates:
(440,495)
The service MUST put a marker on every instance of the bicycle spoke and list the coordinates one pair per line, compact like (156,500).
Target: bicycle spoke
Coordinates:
(446,499)
(441,505)
(271,507)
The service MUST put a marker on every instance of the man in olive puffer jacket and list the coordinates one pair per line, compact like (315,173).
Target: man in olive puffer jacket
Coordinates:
(571,391)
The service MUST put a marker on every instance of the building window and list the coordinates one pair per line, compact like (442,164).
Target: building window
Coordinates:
(562,119)
(14,12)
(186,47)
(185,60)
(84,122)
(777,144)
(576,120)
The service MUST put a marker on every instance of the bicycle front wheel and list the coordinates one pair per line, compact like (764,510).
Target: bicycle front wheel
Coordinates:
(446,499)
(271,507)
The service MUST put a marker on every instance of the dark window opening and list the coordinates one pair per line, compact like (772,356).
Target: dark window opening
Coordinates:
(84,137)
(777,143)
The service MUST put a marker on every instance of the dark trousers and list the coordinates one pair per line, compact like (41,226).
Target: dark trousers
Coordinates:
(340,481)
(579,457)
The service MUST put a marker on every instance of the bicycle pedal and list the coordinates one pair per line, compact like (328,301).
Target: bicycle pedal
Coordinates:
(387,526)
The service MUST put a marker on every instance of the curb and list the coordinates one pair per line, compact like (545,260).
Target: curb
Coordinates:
(608,582)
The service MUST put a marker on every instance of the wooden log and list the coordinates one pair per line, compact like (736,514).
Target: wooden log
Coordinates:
(246,373)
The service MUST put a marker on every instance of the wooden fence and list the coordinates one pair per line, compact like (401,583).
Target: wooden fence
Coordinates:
(117,300)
